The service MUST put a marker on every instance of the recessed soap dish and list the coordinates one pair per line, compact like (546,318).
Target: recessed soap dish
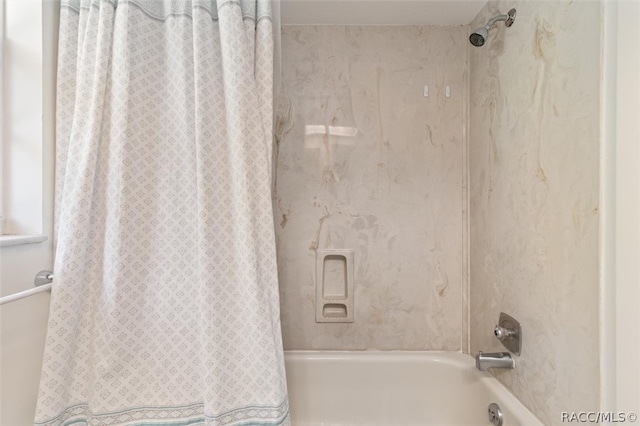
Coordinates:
(334,310)
(334,285)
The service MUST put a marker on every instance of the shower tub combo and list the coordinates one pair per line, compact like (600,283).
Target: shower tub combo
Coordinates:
(395,388)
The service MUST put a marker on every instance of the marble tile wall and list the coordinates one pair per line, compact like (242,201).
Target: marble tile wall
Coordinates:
(533,155)
(365,162)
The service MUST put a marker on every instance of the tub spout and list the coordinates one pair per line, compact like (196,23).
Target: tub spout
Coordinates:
(494,360)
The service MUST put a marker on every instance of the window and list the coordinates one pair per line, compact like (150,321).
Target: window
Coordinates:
(21,125)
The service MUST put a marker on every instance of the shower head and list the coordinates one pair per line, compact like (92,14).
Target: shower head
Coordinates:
(480,35)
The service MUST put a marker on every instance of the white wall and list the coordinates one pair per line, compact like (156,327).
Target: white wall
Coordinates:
(627,208)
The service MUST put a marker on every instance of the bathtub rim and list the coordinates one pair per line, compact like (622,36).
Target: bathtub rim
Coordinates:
(455,359)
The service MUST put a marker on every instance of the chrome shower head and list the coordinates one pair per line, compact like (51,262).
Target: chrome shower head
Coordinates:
(480,35)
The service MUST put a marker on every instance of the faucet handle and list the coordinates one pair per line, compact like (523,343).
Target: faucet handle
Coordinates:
(509,332)
(503,332)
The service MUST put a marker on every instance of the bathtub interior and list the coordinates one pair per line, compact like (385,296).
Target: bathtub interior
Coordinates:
(397,388)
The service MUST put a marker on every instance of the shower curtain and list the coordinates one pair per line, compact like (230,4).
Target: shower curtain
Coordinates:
(165,306)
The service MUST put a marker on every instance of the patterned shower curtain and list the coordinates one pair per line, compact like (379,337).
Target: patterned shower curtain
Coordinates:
(165,306)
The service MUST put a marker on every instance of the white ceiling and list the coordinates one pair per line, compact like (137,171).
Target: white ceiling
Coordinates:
(379,12)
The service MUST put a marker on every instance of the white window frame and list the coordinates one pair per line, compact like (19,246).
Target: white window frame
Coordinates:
(21,122)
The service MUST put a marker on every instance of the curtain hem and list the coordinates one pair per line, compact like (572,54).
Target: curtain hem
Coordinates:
(182,415)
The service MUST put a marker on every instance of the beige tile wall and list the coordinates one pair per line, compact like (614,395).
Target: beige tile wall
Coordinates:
(392,192)
(534,146)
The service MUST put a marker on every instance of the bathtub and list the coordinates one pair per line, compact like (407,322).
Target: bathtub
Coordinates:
(395,389)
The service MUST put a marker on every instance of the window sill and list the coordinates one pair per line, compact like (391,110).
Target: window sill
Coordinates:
(15,240)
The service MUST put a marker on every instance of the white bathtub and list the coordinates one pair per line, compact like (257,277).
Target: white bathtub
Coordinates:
(395,389)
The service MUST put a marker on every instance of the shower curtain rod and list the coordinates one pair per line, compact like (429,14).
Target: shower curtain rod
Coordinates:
(42,281)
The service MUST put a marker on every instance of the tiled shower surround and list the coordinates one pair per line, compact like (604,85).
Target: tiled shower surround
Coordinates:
(534,153)
(366,162)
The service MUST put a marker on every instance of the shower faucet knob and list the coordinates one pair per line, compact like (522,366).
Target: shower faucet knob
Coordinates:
(503,333)
(509,332)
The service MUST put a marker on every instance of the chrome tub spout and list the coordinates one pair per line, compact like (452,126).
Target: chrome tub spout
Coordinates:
(494,360)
